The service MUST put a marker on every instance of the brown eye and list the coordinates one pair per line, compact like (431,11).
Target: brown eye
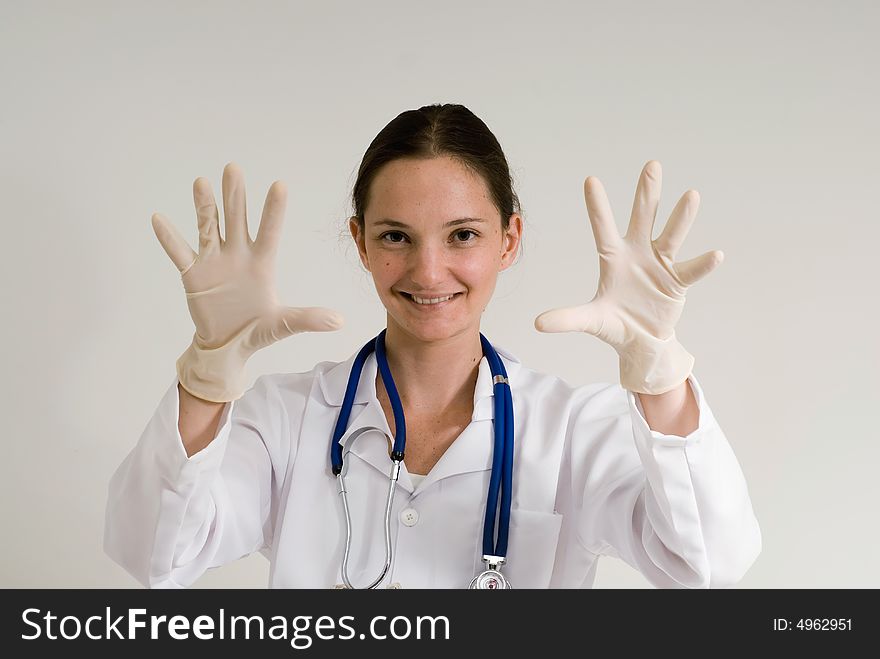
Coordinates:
(466,232)
(391,233)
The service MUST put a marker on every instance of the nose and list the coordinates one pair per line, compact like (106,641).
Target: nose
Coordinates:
(427,267)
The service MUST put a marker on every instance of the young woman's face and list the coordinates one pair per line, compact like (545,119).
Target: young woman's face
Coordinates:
(432,231)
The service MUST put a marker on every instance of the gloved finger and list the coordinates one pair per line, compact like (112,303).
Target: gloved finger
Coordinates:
(694,270)
(601,219)
(647,198)
(206,212)
(582,318)
(269,233)
(308,319)
(178,250)
(234,205)
(678,225)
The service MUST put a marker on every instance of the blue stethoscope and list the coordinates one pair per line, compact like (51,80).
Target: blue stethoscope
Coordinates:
(494,553)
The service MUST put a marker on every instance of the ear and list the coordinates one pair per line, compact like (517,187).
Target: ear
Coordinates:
(359,240)
(511,241)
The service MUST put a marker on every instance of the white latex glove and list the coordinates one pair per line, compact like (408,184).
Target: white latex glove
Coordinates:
(230,288)
(641,289)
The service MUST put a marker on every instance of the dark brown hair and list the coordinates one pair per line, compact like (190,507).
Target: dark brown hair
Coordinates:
(436,130)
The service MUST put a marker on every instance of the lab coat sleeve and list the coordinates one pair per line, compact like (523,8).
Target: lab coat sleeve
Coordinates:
(170,517)
(675,508)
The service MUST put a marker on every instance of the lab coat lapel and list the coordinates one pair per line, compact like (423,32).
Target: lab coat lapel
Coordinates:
(375,447)
(470,452)
(472,449)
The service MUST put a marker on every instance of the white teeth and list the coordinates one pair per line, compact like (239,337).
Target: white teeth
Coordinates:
(433,300)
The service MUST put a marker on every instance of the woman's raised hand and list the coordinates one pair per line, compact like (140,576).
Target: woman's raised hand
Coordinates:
(641,289)
(230,288)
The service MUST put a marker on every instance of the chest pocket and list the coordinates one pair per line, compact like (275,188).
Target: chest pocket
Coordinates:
(531,550)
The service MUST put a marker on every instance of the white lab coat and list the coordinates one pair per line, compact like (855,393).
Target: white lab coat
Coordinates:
(589,479)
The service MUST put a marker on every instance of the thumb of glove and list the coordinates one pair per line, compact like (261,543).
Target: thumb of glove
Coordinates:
(294,320)
(581,318)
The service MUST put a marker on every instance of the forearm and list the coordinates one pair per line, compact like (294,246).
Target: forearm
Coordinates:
(197,421)
(672,413)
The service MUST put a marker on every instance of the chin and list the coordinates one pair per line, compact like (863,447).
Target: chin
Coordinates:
(429,334)
(432,330)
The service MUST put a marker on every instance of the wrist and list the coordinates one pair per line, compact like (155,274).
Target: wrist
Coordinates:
(654,366)
(215,375)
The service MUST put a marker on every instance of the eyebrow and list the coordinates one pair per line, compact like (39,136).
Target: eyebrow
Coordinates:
(451,223)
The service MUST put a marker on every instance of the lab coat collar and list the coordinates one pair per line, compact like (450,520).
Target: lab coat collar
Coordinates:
(471,451)
(333,382)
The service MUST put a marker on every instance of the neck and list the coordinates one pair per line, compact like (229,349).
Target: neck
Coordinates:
(432,376)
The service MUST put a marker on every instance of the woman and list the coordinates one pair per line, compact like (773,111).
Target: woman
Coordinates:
(640,471)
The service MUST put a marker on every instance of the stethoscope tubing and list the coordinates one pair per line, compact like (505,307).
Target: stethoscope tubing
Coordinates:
(502,463)
(395,472)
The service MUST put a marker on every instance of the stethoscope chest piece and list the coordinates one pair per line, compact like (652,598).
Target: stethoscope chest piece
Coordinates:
(490,580)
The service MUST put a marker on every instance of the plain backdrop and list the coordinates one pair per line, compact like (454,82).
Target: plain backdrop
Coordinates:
(110,110)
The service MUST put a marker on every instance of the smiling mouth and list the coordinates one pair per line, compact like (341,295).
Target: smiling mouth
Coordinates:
(430,302)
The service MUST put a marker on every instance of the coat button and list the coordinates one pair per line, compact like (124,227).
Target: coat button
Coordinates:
(409,516)
(393,586)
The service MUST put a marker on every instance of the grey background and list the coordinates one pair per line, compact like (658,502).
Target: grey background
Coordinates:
(111,109)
